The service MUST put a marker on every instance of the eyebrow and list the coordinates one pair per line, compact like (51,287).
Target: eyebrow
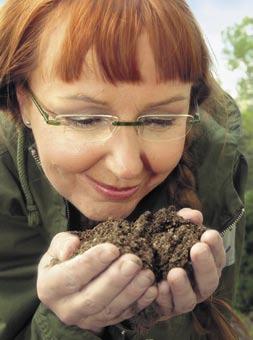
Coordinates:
(91,100)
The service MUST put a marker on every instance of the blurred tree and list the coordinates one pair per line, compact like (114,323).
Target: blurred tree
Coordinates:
(238,47)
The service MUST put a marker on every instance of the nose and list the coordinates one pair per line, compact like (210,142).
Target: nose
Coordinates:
(125,154)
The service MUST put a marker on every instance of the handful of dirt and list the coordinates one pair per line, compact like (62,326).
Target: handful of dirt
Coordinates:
(161,240)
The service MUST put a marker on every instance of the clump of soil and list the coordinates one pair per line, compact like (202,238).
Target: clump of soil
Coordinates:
(162,240)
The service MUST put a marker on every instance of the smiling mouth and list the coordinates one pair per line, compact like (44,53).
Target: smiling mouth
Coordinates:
(111,187)
(111,192)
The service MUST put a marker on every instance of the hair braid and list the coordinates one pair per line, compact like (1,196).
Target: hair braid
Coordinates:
(182,185)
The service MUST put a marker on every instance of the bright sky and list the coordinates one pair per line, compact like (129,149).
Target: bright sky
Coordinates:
(214,16)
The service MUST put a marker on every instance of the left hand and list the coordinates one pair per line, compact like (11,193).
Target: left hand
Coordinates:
(176,295)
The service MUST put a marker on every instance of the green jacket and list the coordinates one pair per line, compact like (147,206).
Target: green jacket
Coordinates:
(32,212)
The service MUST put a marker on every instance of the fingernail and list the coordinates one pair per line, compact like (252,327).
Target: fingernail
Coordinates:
(151,293)
(145,280)
(109,254)
(129,267)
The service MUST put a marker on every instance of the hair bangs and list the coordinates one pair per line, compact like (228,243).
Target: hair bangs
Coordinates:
(111,29)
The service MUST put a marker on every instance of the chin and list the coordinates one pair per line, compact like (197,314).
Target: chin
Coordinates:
(102,213)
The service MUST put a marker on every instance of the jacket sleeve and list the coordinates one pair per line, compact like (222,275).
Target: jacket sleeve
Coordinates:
(22,316)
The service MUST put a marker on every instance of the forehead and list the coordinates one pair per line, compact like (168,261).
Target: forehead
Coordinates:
(55,41)
(44,79)
(111,42)
(128,96)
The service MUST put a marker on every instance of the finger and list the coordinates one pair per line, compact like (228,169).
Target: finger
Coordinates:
(215,242)
(62,247)
(184,298)
(164,299)
(88,322)
(194,216)
(147,298)
(71,276)
(133,291)
(205,271)
(105,287)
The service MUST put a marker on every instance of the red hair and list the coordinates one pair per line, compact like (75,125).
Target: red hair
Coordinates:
(111,29)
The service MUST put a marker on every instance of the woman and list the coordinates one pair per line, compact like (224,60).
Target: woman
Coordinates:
(101,102)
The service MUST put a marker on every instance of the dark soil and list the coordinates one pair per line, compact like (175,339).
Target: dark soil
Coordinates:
(162,240)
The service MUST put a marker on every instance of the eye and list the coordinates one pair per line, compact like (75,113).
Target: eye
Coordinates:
(158,122)
(86,122)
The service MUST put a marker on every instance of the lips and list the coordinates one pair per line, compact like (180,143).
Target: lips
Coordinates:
(111,192)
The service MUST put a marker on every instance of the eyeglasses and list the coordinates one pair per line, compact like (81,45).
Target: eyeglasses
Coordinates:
(100,127)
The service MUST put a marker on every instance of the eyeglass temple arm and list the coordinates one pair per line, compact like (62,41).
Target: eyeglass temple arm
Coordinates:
(42,112)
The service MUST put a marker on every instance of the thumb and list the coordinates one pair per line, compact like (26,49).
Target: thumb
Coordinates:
(62,247)
(193,215)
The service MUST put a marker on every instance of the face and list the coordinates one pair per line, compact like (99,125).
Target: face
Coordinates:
(106,178)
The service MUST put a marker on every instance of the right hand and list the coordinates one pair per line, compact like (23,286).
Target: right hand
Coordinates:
(95,289)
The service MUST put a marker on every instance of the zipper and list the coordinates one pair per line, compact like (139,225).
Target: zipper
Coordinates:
(232,224)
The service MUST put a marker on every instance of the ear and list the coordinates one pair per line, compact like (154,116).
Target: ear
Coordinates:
(24,105)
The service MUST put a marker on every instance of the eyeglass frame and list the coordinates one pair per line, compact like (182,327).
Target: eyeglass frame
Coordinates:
(195,118)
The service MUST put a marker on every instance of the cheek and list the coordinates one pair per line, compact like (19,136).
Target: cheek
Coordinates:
(57,153)
(167,157)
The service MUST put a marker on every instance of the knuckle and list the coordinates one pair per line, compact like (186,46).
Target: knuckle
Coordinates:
(66,318)
(89,306)
(71,285)
(110,313)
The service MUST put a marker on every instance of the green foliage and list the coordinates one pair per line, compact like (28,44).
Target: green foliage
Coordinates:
(238,47)
(238,42)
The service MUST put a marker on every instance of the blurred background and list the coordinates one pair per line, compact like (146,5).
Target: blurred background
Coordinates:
(228,28)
